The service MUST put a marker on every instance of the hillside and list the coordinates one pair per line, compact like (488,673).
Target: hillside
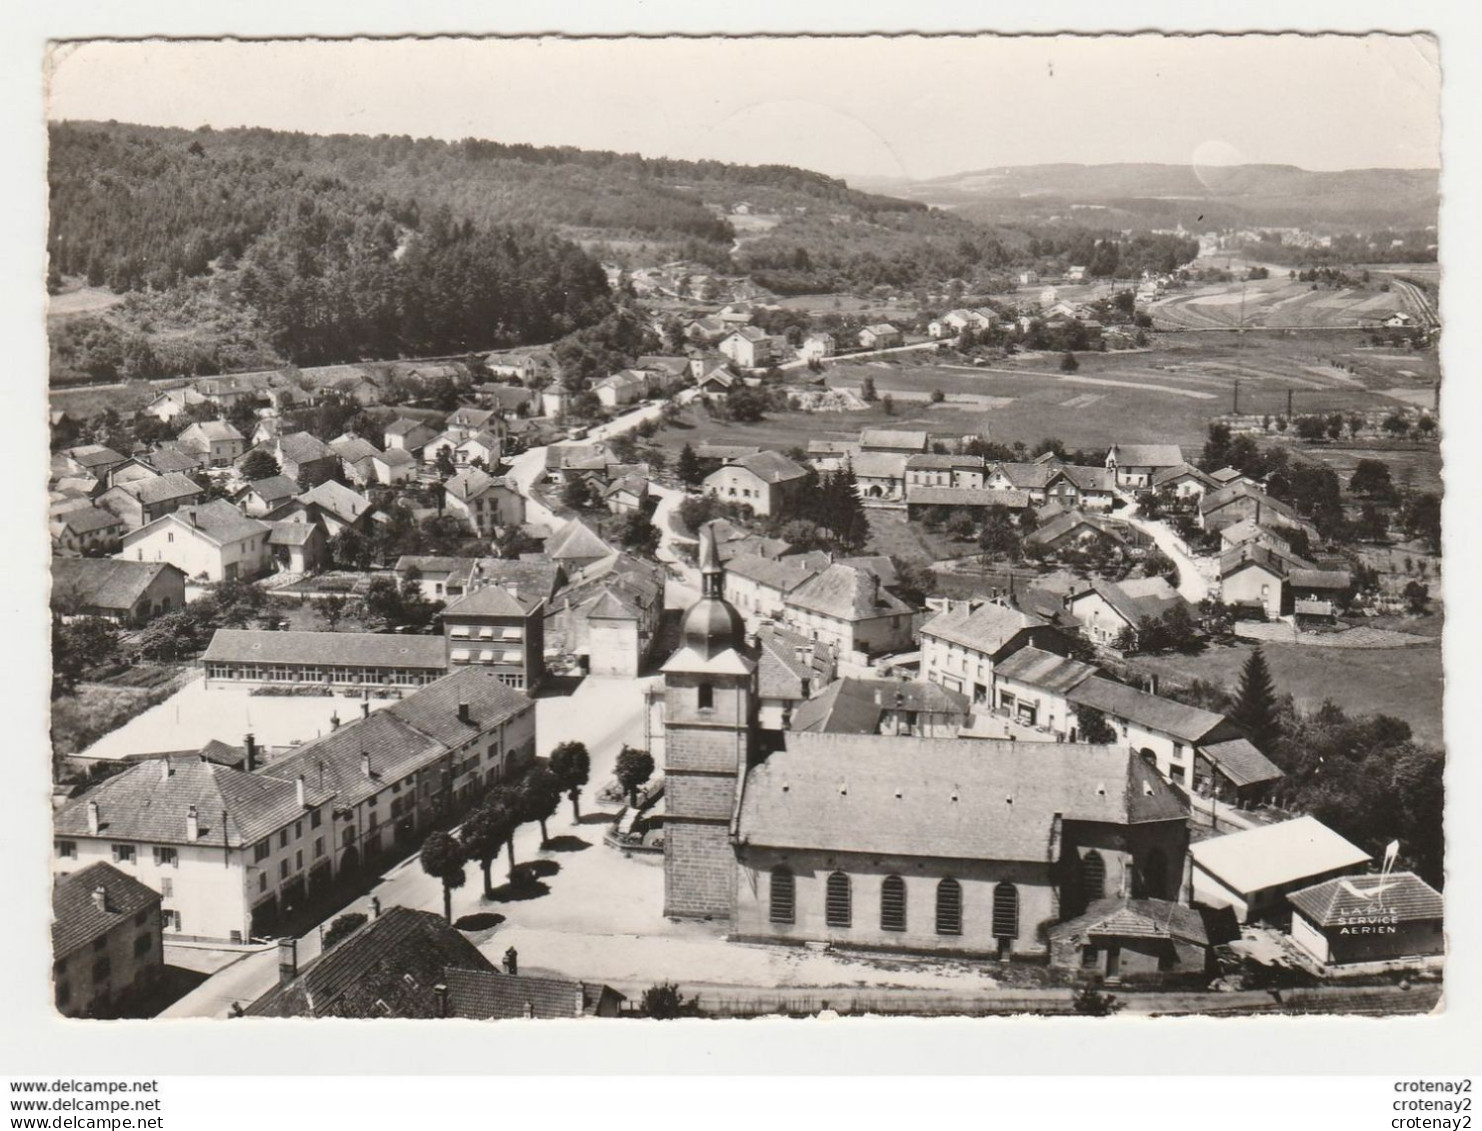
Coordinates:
(1163,195)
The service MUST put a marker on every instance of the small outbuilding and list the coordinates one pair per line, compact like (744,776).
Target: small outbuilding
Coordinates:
(1377,918)
(1253,871)
(1119,937)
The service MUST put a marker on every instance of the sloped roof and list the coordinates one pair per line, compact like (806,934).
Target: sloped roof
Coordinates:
(486,440)
(847,593)
(293,533)
(706,450)
(386,969)
(487,994)
(779,574)
(1037,668)
(87,519)
(984,629)
(373,649)
(1256,859)
(782,671)
(212,431)
(854,705)
(1403,896)
(274,489)
(1150,711)
(472,482)
(105,583)
(1087,478)
(301,447)
(1067,522)
(1013,498)
(166,460)
(491,601)
(1333,579)
(942,797)
(771,467)
(1136,918)
(878,438)
(931,461)
(161,488)
(1241,762)
(1180,471)
(149,803)
(1241,488)
(576,540)
(879,465)
(1026,476)
(93,455)
(218,520)
(882,328)
(395,457)
(337,499)
(1148,455)
(353,449)
(1134,599)
(77,920)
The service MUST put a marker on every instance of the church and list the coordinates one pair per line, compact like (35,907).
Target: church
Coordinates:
(968,846)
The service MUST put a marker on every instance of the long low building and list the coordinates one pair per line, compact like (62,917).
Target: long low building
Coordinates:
(339,659)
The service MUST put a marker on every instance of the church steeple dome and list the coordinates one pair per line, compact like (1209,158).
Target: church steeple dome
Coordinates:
(712,625)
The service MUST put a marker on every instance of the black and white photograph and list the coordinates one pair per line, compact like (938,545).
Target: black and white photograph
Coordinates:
(599,529)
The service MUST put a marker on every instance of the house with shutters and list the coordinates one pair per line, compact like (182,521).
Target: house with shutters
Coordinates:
(107,948)
(87,529)
(214,541)
(263,496)
(1136,464)
(880,336)
(1185,481)
(961,646)
(482,501)
(766,481)
(748,347)
(928,469)
(141,501)
(759,587)
(848,608)
(499,628)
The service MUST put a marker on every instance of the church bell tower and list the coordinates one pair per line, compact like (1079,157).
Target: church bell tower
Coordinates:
(709,723)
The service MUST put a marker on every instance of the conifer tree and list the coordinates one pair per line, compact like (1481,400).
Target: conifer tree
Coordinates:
(1255,702)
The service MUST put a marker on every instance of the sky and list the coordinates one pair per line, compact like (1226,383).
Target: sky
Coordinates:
(878,106)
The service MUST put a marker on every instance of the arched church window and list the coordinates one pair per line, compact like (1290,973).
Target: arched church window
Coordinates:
(839,901)
(893,904)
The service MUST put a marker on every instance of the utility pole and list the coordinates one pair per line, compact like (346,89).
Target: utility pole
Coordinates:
(1235,407)
(1289,393)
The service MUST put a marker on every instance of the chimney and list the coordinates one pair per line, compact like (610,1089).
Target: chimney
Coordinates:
(1152,683)
(250,744)
(165,770)
(301,794)
(92,818)
(334,721)
(365,708)
(463,715)
(440,991)
(192,824)
(365,766)
(287,960)
(100,898)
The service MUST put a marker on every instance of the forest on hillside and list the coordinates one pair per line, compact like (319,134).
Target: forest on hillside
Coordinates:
(233,257)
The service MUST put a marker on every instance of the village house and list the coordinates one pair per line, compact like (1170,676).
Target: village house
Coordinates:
(301,457)
(766,481)
(479,449)
(331,504)
(390,468)
(1105,609)
(575,546)
(263,496)
(127,593)
(706,330)
(905,441)
(87,529)
(161,461)
(232,389)
(1254,577)
(1074,485)
(1076,530)
(410,436)
(215,442)
(610,616)
(1241,500)
(1030,686)
(759,587)
(439,577)
(627,494)
(961,645)
(716,380)
(353,451)
(107,947)
(748,347)
(855,705)
(922,501)
(1185,481)
(817,346)
(1253,871)
(829,456)
(298,547)
(1248,530)
(1136,464)
(625,387)
(141,501)
(93,460)
(1381,918)
(166,406)
(791,669)
(880,336)
(483,502)
(928,469)
(879,475)
(848,608)
(501,629)
(211,540)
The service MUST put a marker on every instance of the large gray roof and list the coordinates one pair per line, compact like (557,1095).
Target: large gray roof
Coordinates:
(372,649)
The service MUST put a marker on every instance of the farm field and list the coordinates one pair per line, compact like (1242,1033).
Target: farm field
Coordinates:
(784,430)
(1412,469)
(852,305)
(1272,303)
(1404,682)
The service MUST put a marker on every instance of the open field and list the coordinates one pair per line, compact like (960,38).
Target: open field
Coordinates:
(1403,682)
(784,431)
(1274,303)
(81,300)
(851,305)
(125,398)
(1411,468)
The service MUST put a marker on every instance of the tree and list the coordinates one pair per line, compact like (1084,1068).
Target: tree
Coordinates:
(887,402)
(332,609)
(937,396)
(349,549)
(85,643)
(998,538)
(747,405)
(342,928)
(1091,1002)
(1159,564)
(1371,478)
(260,464)
(1092,727)
(690,473)
(1255,707)
(638,533)
(171,636)
(383,600)
(1421,518)
(663,1002)
(572,766)
(442,858)
(539,795)
(1068,362)
(485,833)
(578,494)
(867,391)
(1417,597)
(634,767)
